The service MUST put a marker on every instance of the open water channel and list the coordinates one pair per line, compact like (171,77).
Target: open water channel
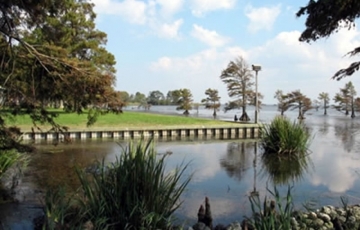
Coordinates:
(226,171)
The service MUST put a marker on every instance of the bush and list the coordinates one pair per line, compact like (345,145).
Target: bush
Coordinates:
(284,137)
(134,192)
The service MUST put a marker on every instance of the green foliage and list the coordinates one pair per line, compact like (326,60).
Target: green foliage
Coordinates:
(155,97)
(239,82)
(134,192)
(9,158)
(325,17)
(212,101)
(185,100)
(272,215)
(345,99)
(297,100)
(283,106)
(324,98)
(59,213)
(283,137)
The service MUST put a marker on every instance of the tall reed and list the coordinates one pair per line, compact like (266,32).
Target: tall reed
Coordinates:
(284,137)
(134,192)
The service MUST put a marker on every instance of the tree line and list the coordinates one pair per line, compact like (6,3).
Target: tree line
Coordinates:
(239,79)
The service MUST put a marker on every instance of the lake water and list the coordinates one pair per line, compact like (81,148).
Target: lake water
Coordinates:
(228,171)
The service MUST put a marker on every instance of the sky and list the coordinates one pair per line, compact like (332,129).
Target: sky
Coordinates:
(173,44)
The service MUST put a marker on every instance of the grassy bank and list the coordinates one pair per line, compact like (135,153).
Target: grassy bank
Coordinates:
(126,120)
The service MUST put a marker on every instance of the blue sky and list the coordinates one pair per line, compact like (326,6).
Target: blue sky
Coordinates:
(172,44)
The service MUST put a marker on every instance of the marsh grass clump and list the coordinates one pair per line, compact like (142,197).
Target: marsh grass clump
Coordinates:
(273,214)
(134,192)
(284,137)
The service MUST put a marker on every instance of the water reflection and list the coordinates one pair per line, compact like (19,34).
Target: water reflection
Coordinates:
(237,159)
(284,170)
(347,132)
(228,171)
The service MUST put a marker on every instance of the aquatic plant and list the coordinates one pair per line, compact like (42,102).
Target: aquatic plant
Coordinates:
(284,137)
(9,158)
(273,214)
(134,192)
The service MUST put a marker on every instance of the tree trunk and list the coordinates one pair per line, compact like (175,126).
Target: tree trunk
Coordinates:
(244,117)
(214,113)
(325,111)
(300,117)
(352,108)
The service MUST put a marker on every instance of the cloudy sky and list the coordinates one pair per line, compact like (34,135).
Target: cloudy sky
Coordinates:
(171,44)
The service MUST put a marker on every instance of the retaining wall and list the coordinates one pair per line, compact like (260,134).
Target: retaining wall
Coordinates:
(241,132)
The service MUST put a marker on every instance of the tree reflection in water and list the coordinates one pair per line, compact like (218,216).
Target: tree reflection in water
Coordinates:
(238,159)
(347,132)
(282,170)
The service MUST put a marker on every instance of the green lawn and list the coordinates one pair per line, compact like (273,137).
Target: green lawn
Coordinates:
(126,120)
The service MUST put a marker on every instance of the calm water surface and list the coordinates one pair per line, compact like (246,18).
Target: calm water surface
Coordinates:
(227,171)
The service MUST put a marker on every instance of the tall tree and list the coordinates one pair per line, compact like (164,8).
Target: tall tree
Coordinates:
(325,17)
(185,101)
(297,100)
(172,97)
(239,81)
(324,97)
(345,99)
(316,104)
(155,97)
(212,101)
(283,105)
(90,79)
(139,97)
(50,51)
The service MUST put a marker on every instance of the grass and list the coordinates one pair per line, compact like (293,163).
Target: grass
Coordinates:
(274,214)
(126,120)
(284,137)
(134,192)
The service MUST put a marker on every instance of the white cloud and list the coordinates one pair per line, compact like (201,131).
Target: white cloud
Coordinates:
(200,7)
(209,37)
(287,64)
(163,63)
(202,69)
(132,10)
(169,8)
(261,18)
(290,65)
(169,30)
(156,14)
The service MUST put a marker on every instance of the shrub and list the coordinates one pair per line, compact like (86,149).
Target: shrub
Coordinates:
(134,192)
(284,137)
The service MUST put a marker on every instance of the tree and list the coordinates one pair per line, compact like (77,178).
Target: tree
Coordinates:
(316,104)
(124,96)
(239,81)
(172,97)
(283,106)
(296,100)
(155,97)
(185,101)
(212,101)
(90,79)
(324,97)
(346,99)
(139,97)
(41,63)
(325,17)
